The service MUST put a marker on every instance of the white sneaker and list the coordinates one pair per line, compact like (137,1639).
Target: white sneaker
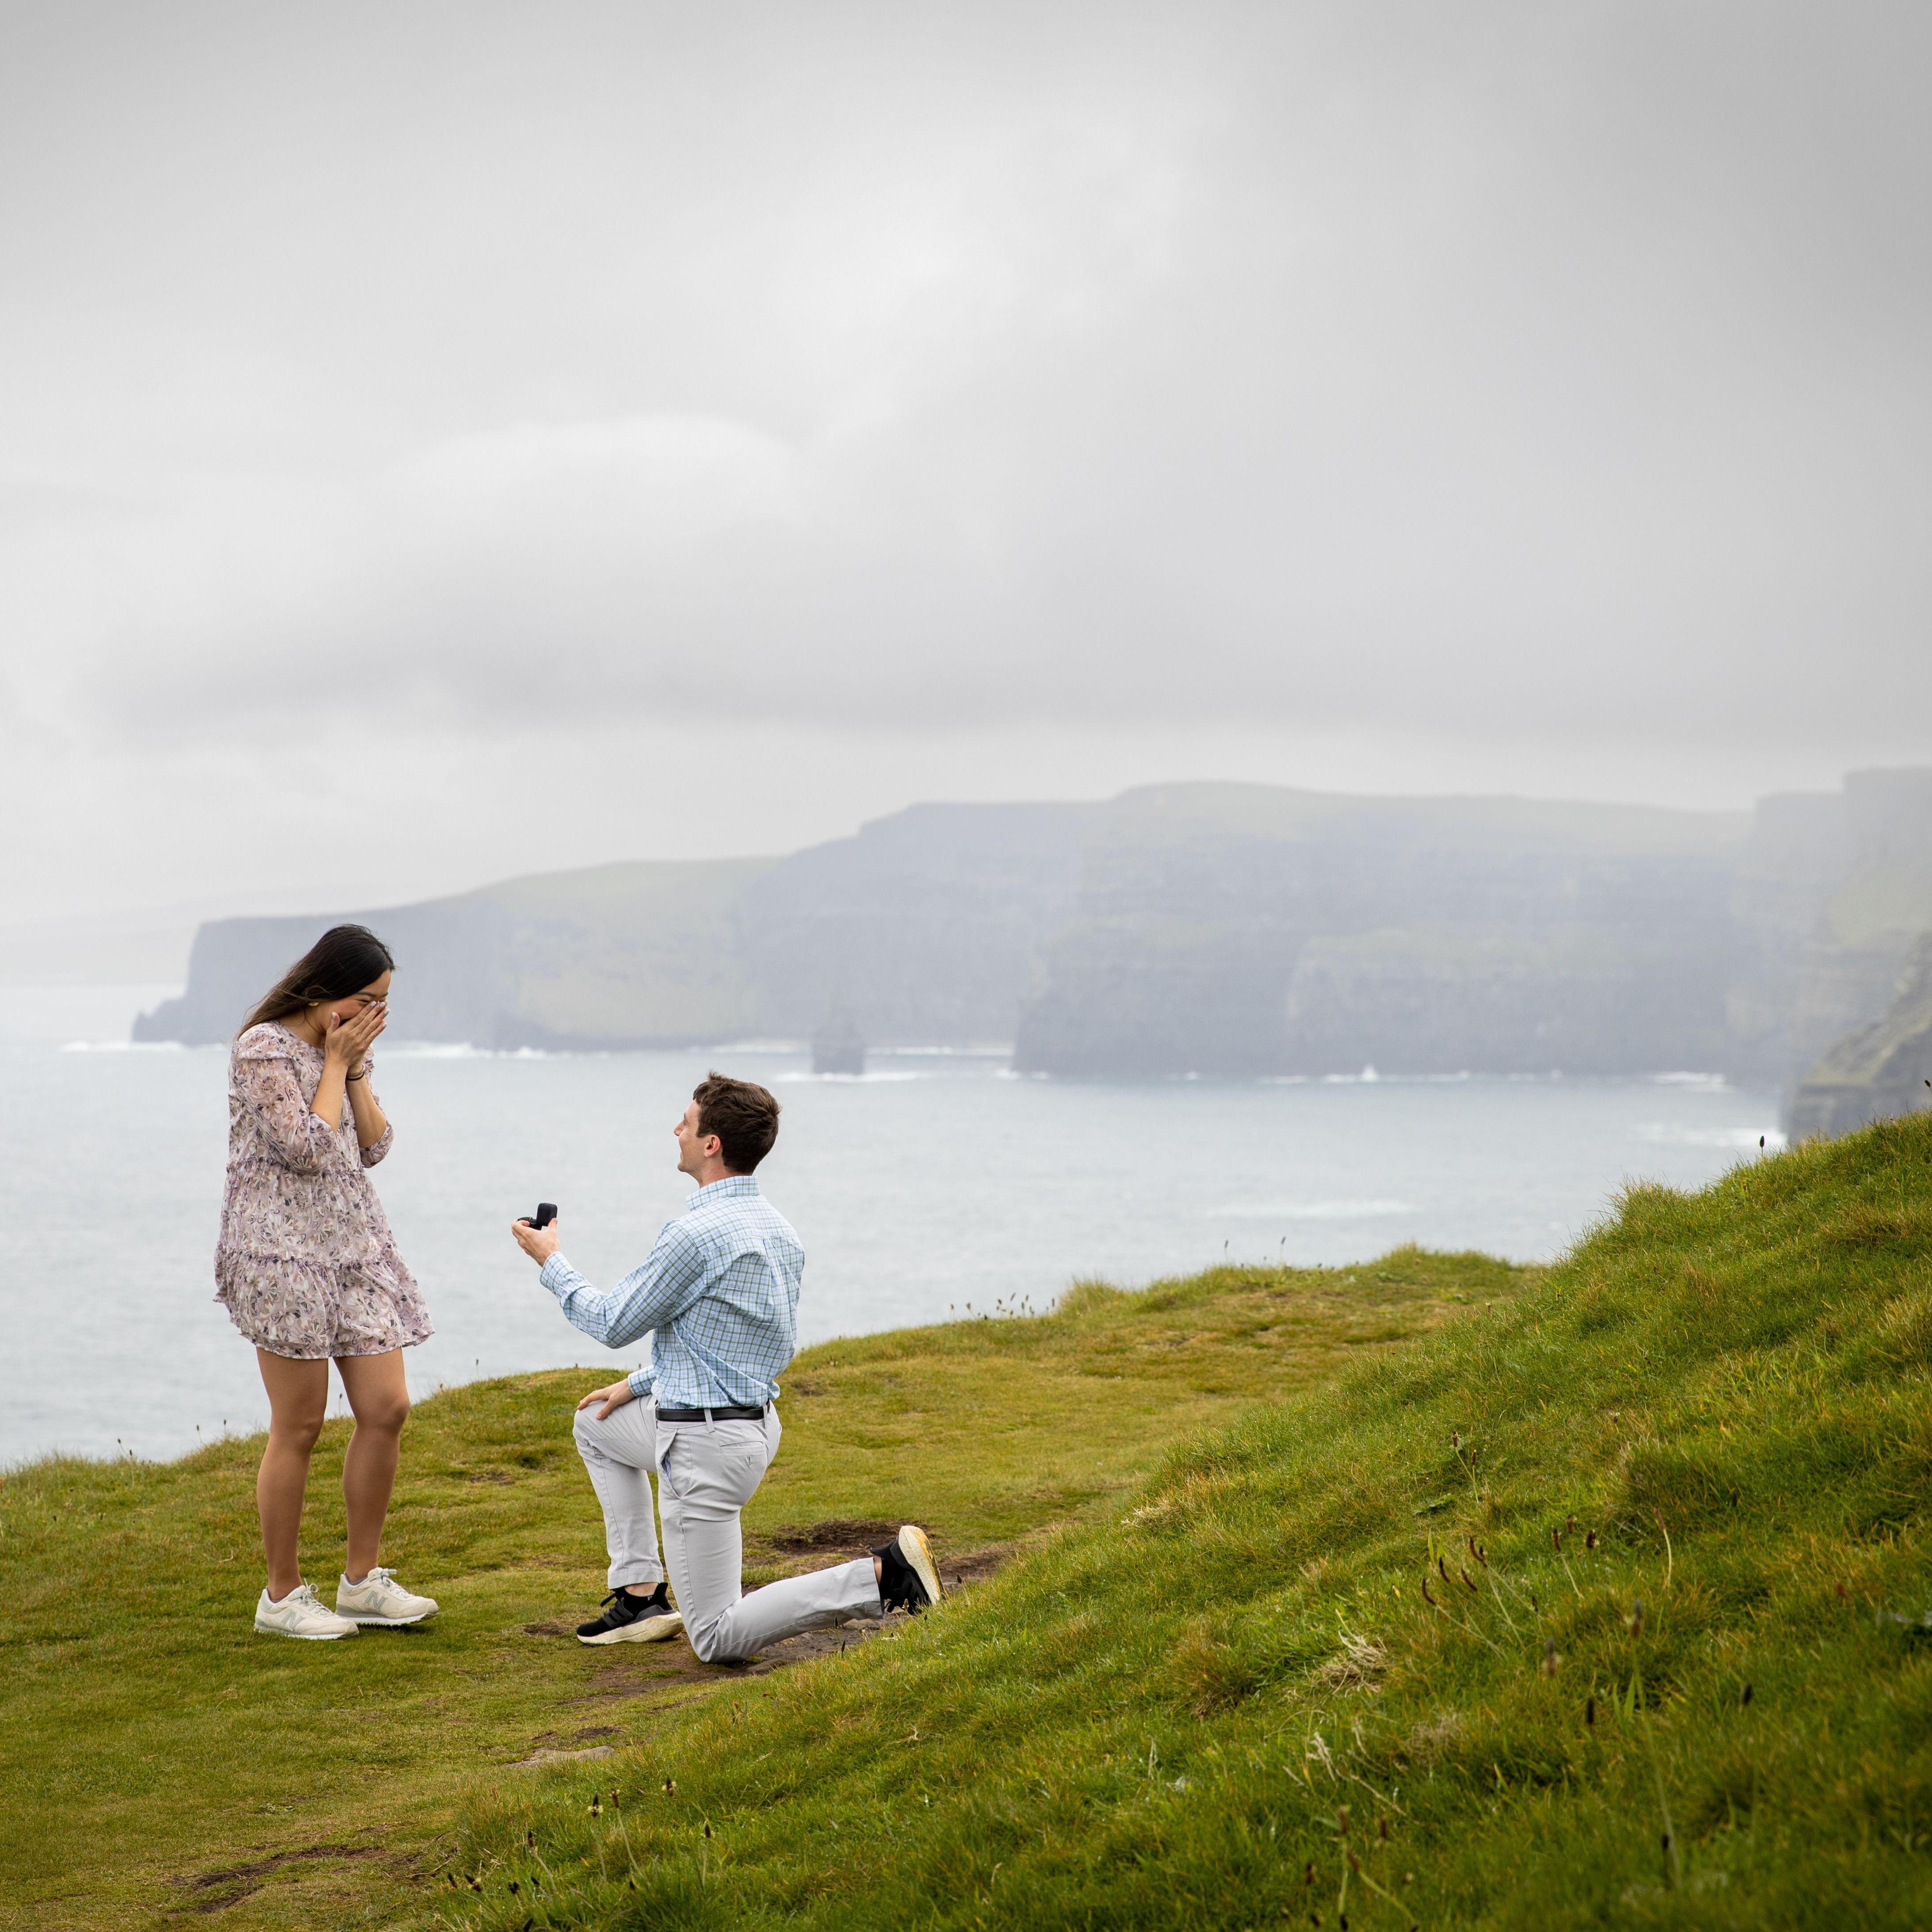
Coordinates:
(301,1613)
(379,1599)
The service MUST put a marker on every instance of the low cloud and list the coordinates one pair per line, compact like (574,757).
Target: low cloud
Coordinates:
(1507,377)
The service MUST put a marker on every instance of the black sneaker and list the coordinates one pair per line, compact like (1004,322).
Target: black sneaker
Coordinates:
(629,1619)
(908,1578)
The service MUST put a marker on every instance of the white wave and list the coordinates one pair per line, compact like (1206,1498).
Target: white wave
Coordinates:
(1714,1083)
(948,1052)
(1311,1211)
(462,1049)
(1669,1133)
(124,1046)
(856,1079)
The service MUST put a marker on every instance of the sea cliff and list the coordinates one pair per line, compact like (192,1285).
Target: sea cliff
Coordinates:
(1211,929)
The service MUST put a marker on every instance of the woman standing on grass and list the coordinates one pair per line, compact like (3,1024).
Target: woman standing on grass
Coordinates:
(310,1274)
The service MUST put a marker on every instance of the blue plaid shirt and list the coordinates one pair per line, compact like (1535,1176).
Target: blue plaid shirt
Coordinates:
(719,1294)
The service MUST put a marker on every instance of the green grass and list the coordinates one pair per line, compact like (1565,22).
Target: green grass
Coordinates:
(158,1759)
(1695,1463)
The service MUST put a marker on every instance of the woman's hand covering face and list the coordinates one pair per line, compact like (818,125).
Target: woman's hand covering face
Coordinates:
(348,1041)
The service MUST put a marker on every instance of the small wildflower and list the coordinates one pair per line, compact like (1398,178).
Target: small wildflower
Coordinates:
(596,1806)
(671,1785)
(1552,1657)
(1342,1818)
(1590,1540)
(1569,1525)
(1556,1541)
(1636,1618)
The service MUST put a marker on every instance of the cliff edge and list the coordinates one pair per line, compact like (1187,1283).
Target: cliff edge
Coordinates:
(1878,1072)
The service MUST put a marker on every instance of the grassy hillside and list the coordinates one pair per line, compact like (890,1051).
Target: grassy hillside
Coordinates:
(1609,1605)
(156,1758)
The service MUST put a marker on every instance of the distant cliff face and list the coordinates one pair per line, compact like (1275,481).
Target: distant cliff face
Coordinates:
(1877,1072)
(1214,929)
(1232,930)
(616,955)
(925,928)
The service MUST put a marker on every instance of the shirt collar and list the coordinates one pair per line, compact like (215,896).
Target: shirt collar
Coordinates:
(721,1190)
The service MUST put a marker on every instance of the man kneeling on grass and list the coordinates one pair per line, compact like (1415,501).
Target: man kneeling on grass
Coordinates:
(719,1297)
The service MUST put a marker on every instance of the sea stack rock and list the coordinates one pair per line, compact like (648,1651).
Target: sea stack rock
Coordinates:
(837,1046)
(1878,1072)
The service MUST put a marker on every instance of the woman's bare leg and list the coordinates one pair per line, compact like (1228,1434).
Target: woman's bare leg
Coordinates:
(379,1396)
(298,1400)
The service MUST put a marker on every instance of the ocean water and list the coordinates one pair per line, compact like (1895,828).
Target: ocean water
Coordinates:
(936,1185)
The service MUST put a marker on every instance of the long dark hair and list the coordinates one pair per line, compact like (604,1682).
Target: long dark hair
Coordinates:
(344,960)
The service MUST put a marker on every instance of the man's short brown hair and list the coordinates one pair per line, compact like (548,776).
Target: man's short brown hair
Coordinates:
(744,1117)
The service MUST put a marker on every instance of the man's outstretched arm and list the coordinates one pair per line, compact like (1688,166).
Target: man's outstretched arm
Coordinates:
(646,1297)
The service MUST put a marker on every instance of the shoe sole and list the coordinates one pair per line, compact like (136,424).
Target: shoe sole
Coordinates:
(302,1636)
(389,1623)
(651,1630)
(916,1552)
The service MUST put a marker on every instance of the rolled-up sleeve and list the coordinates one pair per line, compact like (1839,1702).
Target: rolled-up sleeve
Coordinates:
(300,1141)
(664,1286)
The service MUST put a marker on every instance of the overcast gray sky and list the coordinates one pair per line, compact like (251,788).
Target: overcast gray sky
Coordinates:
(441,441)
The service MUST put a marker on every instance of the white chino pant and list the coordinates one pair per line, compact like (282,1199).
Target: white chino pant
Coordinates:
(707,1473)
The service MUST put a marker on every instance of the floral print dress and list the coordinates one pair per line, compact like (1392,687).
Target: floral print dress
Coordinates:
(306,1264)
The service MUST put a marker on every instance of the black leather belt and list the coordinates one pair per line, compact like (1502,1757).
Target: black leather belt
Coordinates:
(711,1414)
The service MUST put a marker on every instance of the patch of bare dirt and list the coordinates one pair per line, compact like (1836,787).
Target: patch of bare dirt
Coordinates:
(837,1535)
(216,1891)
(961,1572)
